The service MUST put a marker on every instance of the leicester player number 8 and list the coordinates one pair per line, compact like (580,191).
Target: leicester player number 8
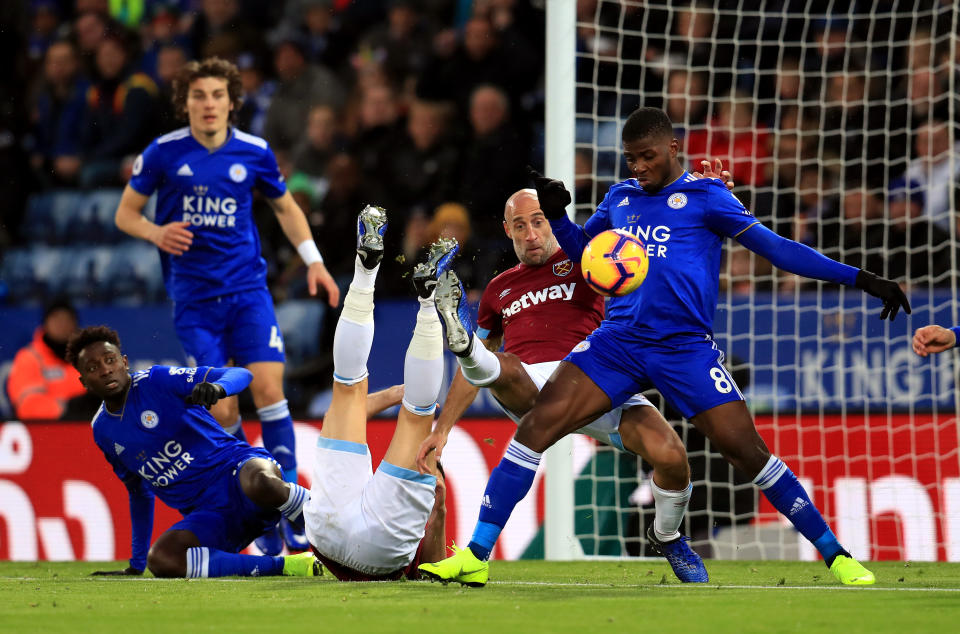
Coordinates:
(720,380)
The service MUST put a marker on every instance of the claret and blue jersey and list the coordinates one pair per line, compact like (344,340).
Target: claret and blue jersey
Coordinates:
(213,192)
(682,226)
(179,450)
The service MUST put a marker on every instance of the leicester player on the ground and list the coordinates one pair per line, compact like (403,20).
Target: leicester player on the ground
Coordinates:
(155,433)
(366,525)
(539,310)
(661,335)
(204,176)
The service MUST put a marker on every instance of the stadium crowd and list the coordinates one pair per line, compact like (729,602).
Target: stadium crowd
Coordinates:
(836,136)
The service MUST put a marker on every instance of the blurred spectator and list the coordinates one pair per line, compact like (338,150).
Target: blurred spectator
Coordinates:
(120,115)
(376,138)
(58,110)
(89,29)
(161,31)
(859,241)
(44,21)
(494,162)
(258,92)
(301,85)
(319,144)
(221,21)
(403,43)
(734,137)
(452,220)
(336,216)
(324,40)
(915,248)
(169,60)
(422,168)
(686,103)
(41,382)
(935,169)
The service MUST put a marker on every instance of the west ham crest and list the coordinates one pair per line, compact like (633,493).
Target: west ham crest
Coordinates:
(562,268)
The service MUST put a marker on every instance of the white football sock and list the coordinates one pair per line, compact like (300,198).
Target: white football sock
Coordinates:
(423,365)
(481,367)
(354,335)
(670,508)
(362,276)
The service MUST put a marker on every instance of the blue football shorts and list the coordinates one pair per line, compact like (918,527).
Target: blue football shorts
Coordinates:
(687,370)
(229,520)
(241,327)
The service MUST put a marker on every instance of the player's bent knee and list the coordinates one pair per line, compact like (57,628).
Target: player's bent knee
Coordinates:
(163,563)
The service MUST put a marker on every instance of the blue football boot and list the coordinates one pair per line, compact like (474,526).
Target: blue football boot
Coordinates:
(293,534)
(686,564)
(371,225)
(451,303)
(439,258)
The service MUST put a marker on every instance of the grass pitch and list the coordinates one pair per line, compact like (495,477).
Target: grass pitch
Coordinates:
(523,596)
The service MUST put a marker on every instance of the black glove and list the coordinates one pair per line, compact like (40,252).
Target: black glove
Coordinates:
(552,194)
(128,572)
(206,394)
(887,290)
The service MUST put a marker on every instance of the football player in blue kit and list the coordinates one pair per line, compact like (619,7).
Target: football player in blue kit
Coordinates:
(661,335)
(204,176)
(155,432)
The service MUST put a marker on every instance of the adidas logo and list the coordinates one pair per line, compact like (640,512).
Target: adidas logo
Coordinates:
(255,572)
(185,170)
(118,448)
(798,505)
(624,202)
(486,502)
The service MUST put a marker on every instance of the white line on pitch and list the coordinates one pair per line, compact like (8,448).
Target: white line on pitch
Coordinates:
(698,586)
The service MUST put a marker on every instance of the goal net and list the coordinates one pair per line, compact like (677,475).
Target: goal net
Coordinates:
(838,121)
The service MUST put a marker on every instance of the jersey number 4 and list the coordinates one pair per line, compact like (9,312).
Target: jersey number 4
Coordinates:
(276,341)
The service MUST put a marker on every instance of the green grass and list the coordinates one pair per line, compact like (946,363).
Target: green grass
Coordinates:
(523,596)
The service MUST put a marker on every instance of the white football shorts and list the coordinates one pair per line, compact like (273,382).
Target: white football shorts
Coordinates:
(371,522)
(605,429)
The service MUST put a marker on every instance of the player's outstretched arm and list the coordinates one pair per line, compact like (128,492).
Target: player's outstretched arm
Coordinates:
(554,198)
(435,532)
(297,229)
(219,383)
(141,518)
(934,339)
(173,238)
(379,401)
(800,259)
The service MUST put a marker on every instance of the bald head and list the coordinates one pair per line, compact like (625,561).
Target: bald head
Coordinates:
(525,224)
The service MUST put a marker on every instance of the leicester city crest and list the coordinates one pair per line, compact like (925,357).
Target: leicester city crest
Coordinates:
(149,419)
(238,173)
(678,200)
(562,268)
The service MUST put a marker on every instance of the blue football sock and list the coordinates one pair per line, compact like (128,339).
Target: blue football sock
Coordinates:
(236,430)
(508,484)
(788,496)
(209,562)
(293,507)
(279,438)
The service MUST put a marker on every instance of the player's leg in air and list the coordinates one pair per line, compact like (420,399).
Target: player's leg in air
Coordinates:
(731,430)
(400,498)
(206,542)
(639,429)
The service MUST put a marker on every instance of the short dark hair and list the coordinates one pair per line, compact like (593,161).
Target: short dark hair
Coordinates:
(87,336)
(210,67)
(646,122)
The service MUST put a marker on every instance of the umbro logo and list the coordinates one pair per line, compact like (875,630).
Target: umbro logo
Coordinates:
(798,505)
(624,202)
(118,448)
(504,293)
(185,170)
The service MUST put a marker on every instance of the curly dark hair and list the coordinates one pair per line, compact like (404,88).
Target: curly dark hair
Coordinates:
(91,334)
(210,67)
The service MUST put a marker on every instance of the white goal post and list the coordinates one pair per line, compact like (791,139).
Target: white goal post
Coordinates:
(839,120)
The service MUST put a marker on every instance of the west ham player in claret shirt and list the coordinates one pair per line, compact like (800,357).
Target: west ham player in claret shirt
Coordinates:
(204,176)
(661,335)
(155,432)
(539,310)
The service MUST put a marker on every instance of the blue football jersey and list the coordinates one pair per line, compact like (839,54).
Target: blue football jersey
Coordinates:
(178,449)
(213,191)
(683,227)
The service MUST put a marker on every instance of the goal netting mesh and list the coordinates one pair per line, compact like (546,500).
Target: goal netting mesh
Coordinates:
(837,120)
